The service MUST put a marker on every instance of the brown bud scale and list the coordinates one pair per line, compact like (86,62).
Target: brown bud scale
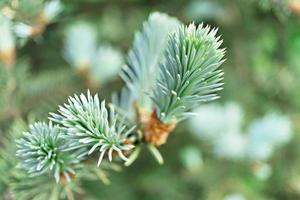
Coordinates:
(156,132)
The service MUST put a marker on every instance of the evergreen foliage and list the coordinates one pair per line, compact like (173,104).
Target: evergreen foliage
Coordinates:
(115,108)
(190,74)
(188,70)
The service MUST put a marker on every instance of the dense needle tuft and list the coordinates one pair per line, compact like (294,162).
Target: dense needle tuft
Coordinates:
(90,125)
(190,74)
(42,149)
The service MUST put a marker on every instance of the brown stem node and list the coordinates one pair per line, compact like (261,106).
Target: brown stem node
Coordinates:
(156,132)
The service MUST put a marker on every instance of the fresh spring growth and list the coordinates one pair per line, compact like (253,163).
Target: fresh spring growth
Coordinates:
(190,74)
(43,149)
(227,137)
(266,133)
(221,125)
(142,66)
(106,64)
(7,40)
(231,145)
(170,70)
(164,88)
(23,30)
(99,64)
(80,45)
(50,11)
(212,120)
(90,125)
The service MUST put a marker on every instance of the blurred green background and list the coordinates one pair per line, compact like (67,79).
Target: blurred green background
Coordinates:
(262,70)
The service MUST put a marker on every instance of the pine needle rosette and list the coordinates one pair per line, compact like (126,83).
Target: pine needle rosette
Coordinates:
(43,149)
(89,124)
(190,74)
